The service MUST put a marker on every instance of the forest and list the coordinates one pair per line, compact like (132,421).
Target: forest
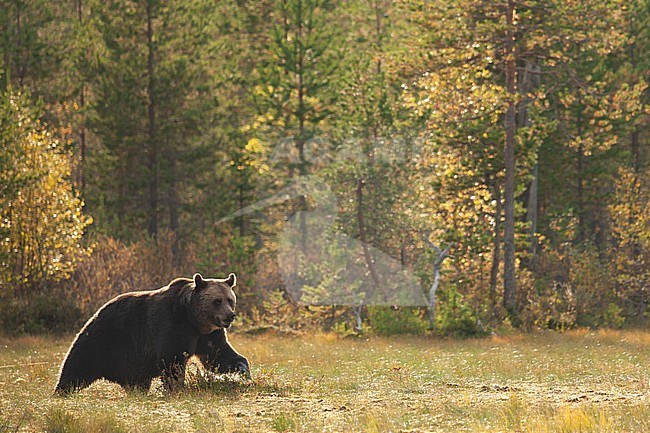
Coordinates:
(409,166)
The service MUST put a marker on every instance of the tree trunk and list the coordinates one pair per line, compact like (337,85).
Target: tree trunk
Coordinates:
(173,203)
(531,213)
(528,81)
(432,296)
(121,203)
(240,219)
(367,256)
(636,154)
(636,166)
(441,255)
(496,249)
(370,263)
(19,43)
(378,31)
(6,50)
(82,105)
(153,148)
(580,194)
(580,205)
(301,139)
(357,315)
(509,294)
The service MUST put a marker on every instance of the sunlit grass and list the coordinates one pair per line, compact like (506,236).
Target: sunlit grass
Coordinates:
(580,381)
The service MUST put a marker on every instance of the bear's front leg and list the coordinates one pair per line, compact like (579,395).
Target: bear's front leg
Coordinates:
(173,376)
(217,354)
(233,363)
(138,386)
(172,370)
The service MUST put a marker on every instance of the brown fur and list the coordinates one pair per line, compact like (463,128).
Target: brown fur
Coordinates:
(214,306)
(140,335)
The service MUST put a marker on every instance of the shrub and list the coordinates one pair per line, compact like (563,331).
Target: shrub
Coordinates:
(41,313)
(545,297)
(630,253)
(116,267)
(612,317)
(454,317)
(394,321)
(113,268)
(573,288)
(591,287)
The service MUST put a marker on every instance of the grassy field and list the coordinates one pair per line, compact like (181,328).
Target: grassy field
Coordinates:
(581,381)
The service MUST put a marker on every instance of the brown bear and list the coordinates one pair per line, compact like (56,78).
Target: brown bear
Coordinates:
(141,335)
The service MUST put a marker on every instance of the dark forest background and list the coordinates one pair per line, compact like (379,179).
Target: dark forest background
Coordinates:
(498,150)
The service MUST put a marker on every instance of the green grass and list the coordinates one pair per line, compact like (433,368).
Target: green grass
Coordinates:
(581,381)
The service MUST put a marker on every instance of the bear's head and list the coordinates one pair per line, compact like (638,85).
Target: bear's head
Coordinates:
(213,302)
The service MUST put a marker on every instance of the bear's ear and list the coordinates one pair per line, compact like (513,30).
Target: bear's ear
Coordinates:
(232,280)
(199,282)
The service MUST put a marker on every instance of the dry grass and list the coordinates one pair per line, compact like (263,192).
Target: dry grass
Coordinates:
(582,381)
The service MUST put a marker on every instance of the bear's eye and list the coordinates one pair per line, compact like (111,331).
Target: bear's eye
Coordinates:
(231,303)
(217,302)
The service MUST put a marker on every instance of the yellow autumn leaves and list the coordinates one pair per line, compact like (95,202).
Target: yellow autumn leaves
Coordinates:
(41,218)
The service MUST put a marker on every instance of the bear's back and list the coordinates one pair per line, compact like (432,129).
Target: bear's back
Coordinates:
(140,318)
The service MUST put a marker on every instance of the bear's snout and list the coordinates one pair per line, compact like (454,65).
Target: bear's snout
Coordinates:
(230,317)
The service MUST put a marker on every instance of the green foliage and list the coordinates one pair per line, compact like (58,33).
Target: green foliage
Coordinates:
(612,317)
(170,116)
(574,288)
(590,288)
(392,321)
(41,216)
(345,329)
(300,68)
(630,214)
(454,317)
